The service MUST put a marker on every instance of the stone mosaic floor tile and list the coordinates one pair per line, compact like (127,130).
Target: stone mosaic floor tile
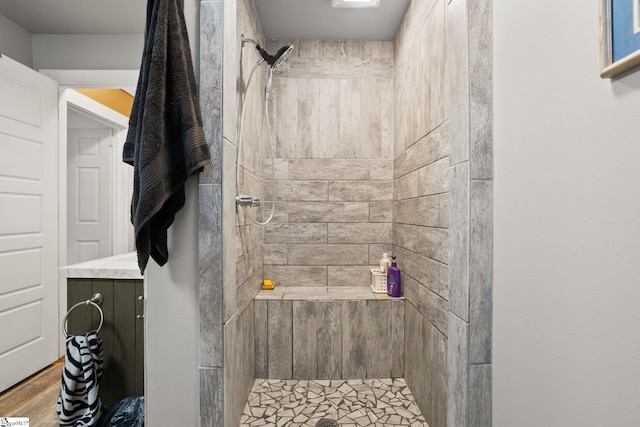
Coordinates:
(352,403)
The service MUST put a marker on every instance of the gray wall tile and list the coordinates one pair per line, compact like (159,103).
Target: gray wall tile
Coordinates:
(481,88)
(340,68)
(379,357)
(328,107)
(427,150)
(434,308)
(329,211)
(444,280)
(286,130)
(406,236)
(295,233)
(434,178)
(433,243)
(397,337)
(338,254)
(360,233)
(414,359)
(275,254)
(239,367)
(458,372)
(380,211)
(354,339)
(360,191)
(481,271)
(248,264)
(406,186)
(424,385)
(261,341)
(307,146)
(459,249)
(211,64)
(246,292)
(211,396)
(211,287)
(328,169)
(359,275)
(296,275)
(330,340)
(438,380)
(280,339)
(458,71)
(423,211)
(445,212)
(381,169)
(231,248)
(302,190)
(305,343)
(480,395)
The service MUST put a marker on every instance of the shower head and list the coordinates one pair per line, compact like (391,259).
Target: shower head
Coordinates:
(275,60)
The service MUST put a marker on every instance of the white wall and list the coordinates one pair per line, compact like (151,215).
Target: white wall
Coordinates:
(172,323)
(172,317)
(567,223)
(104,51)
(87,52)
(15,42)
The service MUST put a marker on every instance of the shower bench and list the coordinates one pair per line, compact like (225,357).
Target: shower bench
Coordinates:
(337,332)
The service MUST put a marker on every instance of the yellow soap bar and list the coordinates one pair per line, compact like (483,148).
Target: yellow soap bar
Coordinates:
(268,284)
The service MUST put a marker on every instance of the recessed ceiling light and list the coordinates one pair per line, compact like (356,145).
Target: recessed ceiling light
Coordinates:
(355,3)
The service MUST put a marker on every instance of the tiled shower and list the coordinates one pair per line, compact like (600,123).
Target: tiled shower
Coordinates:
(377,150)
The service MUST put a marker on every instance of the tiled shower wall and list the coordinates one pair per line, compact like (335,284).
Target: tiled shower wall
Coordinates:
(242,279)
(421,201)
(469,33)
(230,244)
(332,123)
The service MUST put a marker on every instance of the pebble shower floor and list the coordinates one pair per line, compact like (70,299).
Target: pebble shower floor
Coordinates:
(352,403)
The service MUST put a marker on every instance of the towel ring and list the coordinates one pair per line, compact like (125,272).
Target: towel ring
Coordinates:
(96,301)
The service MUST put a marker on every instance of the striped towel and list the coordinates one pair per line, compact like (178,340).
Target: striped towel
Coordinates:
(78,403)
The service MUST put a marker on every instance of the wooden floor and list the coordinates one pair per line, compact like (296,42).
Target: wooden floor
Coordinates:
(35,398)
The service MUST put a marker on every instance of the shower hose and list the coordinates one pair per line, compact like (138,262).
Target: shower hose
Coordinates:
(239,148)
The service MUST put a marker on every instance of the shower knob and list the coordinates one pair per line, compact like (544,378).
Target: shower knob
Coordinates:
(244,200)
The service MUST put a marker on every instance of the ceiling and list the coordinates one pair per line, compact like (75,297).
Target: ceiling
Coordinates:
(317,20)
(77,16)
(280,19)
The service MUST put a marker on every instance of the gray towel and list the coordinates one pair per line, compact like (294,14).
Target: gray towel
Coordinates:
(165,142)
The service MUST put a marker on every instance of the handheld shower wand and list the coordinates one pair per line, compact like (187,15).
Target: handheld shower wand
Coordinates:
(244,200)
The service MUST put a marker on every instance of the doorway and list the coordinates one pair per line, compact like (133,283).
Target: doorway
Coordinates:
(89,192)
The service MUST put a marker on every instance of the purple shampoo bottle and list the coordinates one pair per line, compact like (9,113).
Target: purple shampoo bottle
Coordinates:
(394,280)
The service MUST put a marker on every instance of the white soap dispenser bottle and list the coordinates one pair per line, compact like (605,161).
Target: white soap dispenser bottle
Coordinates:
(385,262)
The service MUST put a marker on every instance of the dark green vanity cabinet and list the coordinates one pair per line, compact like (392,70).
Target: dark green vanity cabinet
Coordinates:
(122,332)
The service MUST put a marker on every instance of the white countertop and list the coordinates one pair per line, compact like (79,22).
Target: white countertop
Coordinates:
(124,266)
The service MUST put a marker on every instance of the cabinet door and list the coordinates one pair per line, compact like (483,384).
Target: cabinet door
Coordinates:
(122,332)
(139,387)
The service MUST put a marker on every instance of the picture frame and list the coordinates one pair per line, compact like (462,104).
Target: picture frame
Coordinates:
(619,36)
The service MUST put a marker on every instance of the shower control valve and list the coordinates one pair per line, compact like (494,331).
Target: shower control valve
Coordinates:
(245,200)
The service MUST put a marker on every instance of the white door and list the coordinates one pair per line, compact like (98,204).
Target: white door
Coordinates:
(28,222)
(89,194)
